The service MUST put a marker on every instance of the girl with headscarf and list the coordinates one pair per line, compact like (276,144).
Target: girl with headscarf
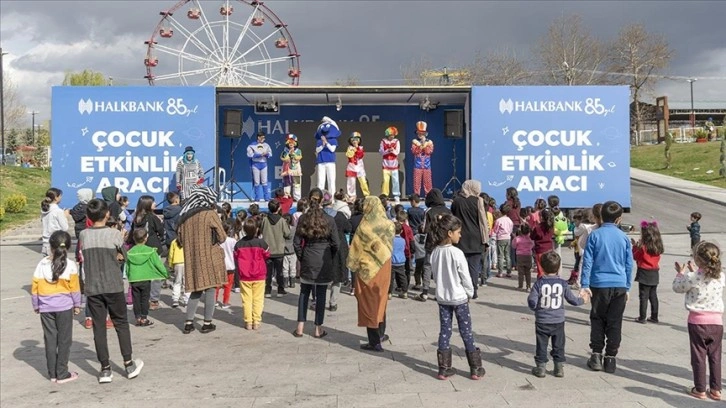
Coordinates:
(435,206)
(200,233)
(469,208)
(370,260)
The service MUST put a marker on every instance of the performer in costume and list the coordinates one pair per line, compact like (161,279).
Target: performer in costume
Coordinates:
(189,172)
(390,148)
(258,153)
(355,169)
(422,148)
(327,141)
(291,169)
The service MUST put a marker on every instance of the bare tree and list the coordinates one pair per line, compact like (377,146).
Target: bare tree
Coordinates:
(638,55)
(570,55)
(349,81)
(501,67)
(420,72)
(13,109)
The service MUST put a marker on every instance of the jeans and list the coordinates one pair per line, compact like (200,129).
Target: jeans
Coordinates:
(418,271)
(208,304)
(427,273)
(390,180)
(398,273)
(253,300)
(58,337)
(545,332)
(706,345)
(606,319)
(486,265)
(274,268)
(155,290)
(113,305)
(141,292)
(504,263)
(493,259)
(302,303)
(474,263)
(463,320)
(648,293)
(289,266)
(334,293)
(178,286)
(524,270)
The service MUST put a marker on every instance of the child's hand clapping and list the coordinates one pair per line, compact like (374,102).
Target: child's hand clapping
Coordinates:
(681,268)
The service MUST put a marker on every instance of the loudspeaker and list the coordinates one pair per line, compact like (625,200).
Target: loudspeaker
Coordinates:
(454,123)
(232,123)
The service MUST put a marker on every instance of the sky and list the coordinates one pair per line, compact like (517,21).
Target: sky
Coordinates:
(367,40)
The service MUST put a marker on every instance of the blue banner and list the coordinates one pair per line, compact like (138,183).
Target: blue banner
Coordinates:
(129,137)
(569,141)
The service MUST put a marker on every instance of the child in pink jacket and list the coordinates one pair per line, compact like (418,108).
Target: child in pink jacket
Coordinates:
(523,246)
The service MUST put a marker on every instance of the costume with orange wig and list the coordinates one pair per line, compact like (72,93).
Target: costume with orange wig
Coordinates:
(355,169)
(291,169)
(390,148)
(422,148)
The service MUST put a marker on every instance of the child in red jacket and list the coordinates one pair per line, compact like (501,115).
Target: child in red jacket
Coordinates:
(646,254)
(250,255)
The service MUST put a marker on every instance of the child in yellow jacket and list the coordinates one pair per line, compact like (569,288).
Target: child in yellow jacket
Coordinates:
(176,262)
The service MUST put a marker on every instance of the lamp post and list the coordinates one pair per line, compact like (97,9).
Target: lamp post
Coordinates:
(33,113)
(2,105)
(693,111)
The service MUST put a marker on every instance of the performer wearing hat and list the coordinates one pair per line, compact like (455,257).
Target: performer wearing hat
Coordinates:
(258,153)
(291,169)
(390,149)
(355,169)
(189,172)
(327,141)
(422,148)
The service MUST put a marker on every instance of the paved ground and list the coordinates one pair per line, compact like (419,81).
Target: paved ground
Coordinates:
(271,368)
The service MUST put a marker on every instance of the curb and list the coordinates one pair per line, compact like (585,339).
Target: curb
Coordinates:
(684,192)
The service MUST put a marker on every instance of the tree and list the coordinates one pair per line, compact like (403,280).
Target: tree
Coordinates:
(42,142)
(570,55)
(419,73)
(349,81)
(86,77)
(14,110)
(638,55)
(12,140)
(500,67)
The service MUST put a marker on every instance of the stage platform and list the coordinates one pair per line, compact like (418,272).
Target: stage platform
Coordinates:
(238,204)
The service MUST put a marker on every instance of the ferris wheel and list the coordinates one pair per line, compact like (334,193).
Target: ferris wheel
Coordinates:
(237,42)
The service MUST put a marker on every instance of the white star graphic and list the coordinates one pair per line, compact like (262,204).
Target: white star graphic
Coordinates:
(505,130)
(84,131)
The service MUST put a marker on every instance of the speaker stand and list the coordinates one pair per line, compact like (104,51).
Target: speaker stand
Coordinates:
(453,178)
(231,182)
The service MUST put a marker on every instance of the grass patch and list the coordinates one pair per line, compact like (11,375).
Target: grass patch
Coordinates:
(689,161)
(31,182)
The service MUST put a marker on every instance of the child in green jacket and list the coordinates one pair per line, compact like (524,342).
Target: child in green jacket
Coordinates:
(143,265)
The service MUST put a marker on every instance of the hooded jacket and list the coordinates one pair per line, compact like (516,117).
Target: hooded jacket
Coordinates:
(144,264)
(275,231)
(250,256)
(171,220)
(109,196)
(78,212)
(61,295)
(155,229)
(435,206)
(53,220)
(316,256)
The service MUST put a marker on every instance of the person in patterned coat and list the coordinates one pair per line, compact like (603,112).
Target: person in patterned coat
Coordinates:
(422,148)
(189,172)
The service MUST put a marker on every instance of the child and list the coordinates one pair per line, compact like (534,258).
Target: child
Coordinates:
(398,264)
(275,231)
(250,255)
(415,213)
(695,229)
(56,296)
(289,261)
(523,246)
(453,291)
(105,289)
(228,247)
(646,253)
(419,245)
(503,227)
(704,301)
(545,300)
(407,235)
(302,206)
(125,213)
(143,265)
(607,265)
(285,201)
(542,235)
(52,217)
(175,259)
(493,260)
(171,217)
(78,212)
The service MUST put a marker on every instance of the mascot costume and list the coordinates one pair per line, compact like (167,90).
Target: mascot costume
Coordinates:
(189,172)
(258,153)
(390,148)
(326,142)
(422,148)
(355,169)
(291,169)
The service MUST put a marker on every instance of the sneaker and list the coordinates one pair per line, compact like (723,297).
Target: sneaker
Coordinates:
(422,297)
(390,296)
(595,362)
(88,324)
(134,369)
(226,306)
(404,295)
(207,328)
(268,295)
(174,304)
(333,308)
(609,365)
(281,292)
(106,376)
(71,377)
(416,287)
(236,290)
(653,319)
(640,320)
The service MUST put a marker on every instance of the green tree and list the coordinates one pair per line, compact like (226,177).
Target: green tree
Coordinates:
(12,140)
(27,137)
(86,77)
(42,142)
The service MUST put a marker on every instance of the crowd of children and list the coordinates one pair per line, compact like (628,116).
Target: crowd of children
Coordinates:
(260,255)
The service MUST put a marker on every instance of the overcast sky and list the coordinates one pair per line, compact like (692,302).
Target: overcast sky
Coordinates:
(369,40)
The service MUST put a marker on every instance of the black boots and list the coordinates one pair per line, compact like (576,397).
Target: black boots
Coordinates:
(539,371)
(559,370)
(474,359)
(595,362)
(609,364)
(445,370)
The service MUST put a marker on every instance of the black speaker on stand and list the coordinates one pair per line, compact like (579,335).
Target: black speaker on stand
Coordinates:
(233,129)
(454,129)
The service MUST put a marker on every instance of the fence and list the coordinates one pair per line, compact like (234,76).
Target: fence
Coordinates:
(680,134)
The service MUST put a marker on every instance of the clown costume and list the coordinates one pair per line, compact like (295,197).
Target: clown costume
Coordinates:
(291,168)
(422,148)
(258,153)
(390,148)
(326,143)
(355,169)
(189,172)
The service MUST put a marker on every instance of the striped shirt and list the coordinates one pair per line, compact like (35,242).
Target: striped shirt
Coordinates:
(102,271)
(390,158)
(58,296)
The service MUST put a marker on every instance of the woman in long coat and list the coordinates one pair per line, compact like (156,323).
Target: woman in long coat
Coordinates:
(370,259)
(200,233)
(469,208)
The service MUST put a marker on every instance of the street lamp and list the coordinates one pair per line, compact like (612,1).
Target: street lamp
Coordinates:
(2,105)
(33,113)
(693,112)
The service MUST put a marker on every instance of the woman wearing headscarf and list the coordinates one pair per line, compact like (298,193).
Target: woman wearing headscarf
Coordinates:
(435,206)
(200,233)
(469,208)
(370,260)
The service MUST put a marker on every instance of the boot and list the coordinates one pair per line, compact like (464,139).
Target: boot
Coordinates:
(445,370)
(595,362)
(609,365)
(266,191)
(539,371)
(258,193)
(559,370)
(475,368)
